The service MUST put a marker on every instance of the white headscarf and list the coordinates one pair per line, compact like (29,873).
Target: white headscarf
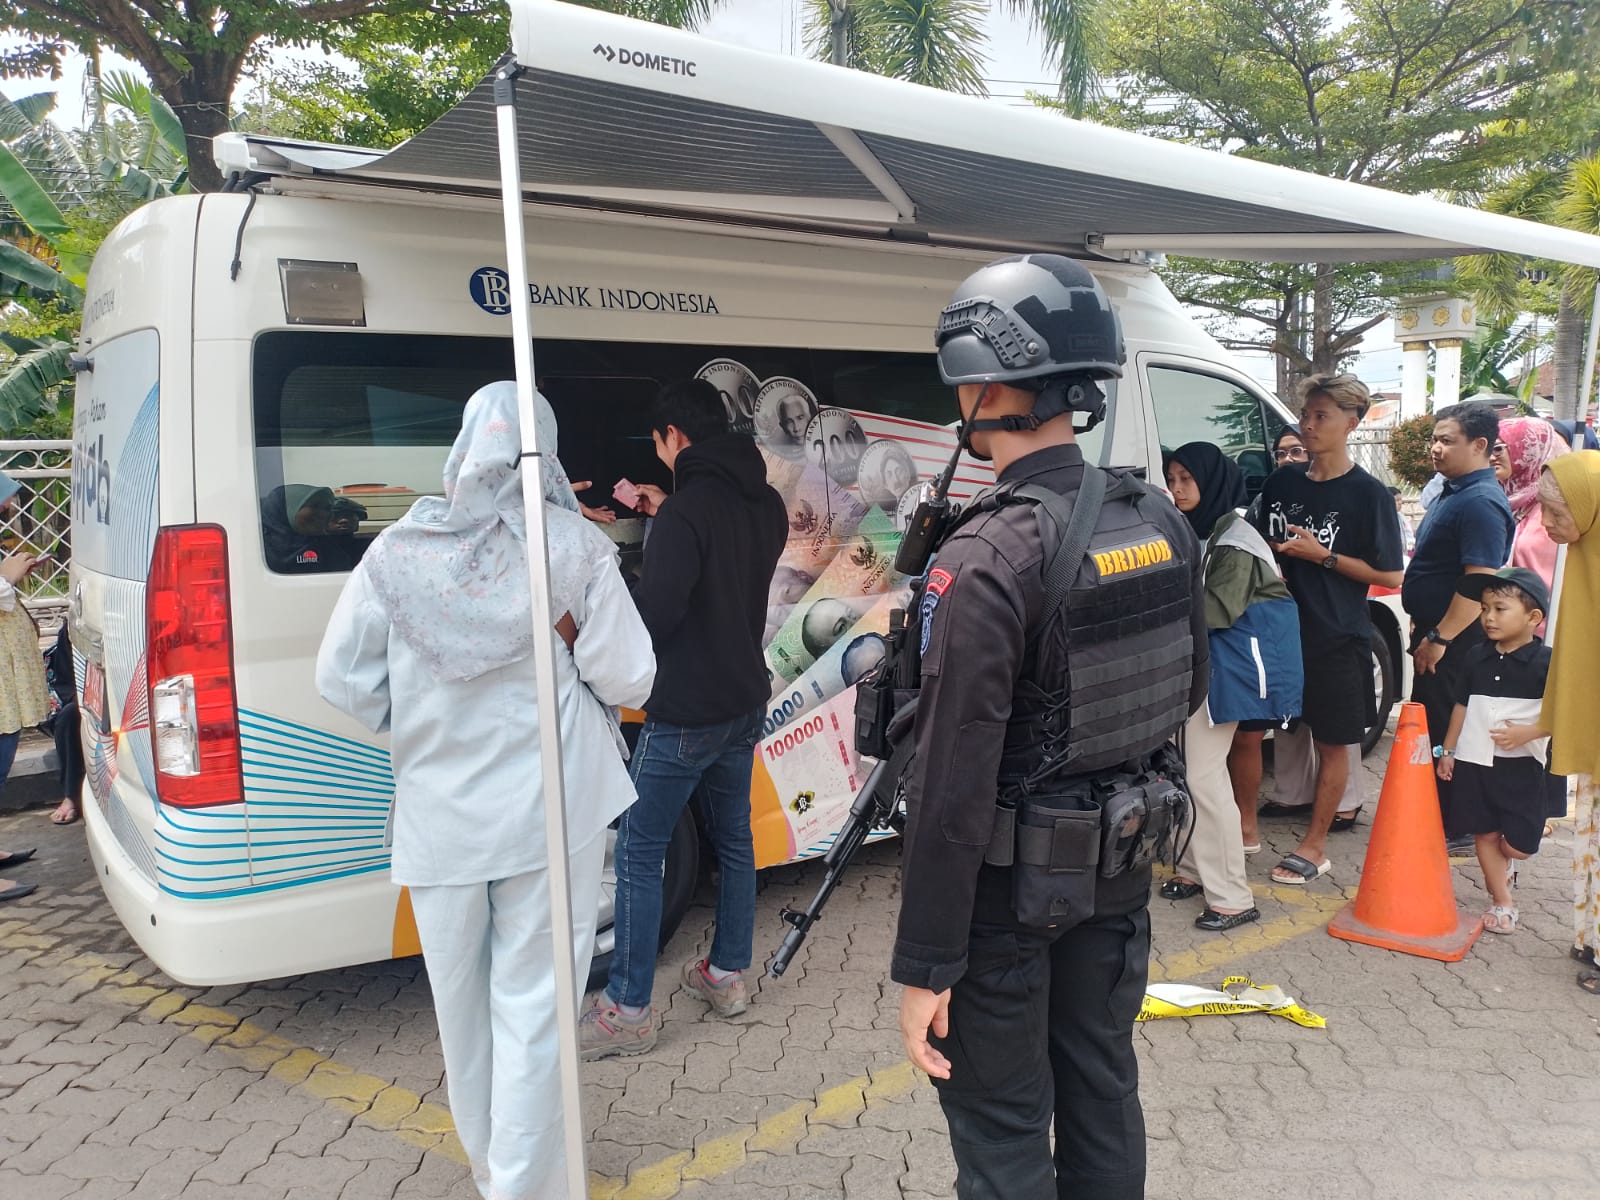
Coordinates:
(453,572)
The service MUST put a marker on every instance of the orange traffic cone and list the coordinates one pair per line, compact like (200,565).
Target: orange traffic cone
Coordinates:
(1406,901)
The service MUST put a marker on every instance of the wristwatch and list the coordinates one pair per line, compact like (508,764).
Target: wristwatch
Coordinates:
(1331,561)
(1433,635)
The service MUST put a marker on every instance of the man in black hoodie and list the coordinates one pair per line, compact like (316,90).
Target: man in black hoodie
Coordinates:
(708,563)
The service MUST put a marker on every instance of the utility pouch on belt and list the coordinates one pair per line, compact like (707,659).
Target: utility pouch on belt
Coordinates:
(1143,814)
(1057,848)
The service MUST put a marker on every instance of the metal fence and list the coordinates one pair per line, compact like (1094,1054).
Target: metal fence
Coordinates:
(40,523)
(1369,450)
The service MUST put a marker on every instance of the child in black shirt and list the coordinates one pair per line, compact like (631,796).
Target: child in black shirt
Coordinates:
(1495,752)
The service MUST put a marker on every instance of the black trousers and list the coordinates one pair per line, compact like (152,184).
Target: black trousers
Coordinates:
(69,750)
(1436,691)
(1041,1026)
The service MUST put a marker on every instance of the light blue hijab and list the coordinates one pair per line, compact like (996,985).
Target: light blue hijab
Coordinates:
(453,572)
(9,487)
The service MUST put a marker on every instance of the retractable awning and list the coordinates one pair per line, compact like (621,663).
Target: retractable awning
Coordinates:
(621,113)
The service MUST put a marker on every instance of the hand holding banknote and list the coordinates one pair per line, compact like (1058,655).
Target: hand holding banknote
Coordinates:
(641,497)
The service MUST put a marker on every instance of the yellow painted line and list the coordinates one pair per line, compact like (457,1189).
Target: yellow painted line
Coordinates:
(840,1105)
(1309,910)
(380,1104)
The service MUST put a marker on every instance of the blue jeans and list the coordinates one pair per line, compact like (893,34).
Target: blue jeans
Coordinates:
(668,764)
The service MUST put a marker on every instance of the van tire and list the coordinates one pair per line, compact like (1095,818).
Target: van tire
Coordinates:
(1383,682)
(677,890)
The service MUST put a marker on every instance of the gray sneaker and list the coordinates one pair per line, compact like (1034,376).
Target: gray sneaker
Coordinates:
(727,999)
(603,1030)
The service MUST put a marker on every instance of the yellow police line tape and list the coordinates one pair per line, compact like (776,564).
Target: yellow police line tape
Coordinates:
(1239,994)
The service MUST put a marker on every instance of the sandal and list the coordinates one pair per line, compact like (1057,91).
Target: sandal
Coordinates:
(1252,848)
(1583,954)
(1500,919)
(66,813)
(1589,981)
(15,858)
(1180,889)
(1344,821)
(1303,869)
(1215,922)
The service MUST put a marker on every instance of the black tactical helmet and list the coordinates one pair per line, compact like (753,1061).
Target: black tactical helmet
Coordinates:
(1029,317)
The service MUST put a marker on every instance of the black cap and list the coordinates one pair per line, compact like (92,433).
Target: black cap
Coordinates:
(1472,586)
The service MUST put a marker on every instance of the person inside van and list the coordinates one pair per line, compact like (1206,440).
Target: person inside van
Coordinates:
(303,530)
(431,640)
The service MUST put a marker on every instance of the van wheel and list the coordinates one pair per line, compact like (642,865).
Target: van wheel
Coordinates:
(1383,688)
(677,889)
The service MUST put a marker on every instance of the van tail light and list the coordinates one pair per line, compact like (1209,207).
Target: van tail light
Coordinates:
(194,714)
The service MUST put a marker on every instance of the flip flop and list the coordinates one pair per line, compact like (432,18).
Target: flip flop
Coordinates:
(1303,868)
(1253,848)
(15,858)
(1344,821)
(1273,809)
(57,819)
(18,892)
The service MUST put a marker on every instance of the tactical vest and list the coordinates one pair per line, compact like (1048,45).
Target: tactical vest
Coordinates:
(1106,683)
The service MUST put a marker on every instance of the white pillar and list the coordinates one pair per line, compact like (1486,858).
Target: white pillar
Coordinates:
(1446,372)
(1413,380)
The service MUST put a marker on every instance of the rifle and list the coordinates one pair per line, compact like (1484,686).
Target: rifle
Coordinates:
(876,807)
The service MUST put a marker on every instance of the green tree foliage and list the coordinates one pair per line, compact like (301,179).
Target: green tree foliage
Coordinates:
(62,193)
(941,43)
(1387,92)
(1411,450)
(401,68)
(192,50)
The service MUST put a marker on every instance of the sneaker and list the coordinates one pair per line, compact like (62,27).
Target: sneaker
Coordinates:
(603,1030)
(727,999)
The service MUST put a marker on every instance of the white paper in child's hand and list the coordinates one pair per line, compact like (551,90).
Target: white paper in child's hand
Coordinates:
(626,494)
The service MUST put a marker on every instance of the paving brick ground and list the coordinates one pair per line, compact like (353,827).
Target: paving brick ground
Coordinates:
(1477,1079)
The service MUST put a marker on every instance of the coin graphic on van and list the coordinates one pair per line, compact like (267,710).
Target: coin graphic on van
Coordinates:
(887,471)
(737,385)
(835,443)
(784,408)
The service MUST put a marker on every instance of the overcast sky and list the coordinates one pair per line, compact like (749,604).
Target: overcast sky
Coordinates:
(1014,65)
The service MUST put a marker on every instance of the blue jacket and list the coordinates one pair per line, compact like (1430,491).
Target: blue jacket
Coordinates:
(1256,671)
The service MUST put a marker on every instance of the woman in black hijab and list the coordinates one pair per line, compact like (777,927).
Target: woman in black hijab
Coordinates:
(1254,633)
(1206,485)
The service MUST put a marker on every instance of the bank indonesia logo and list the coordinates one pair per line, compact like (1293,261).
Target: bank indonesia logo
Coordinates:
(491,290)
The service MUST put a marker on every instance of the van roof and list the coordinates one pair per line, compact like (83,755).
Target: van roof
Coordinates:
(617,113)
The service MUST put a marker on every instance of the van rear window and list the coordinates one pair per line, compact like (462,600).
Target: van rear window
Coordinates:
(351,428)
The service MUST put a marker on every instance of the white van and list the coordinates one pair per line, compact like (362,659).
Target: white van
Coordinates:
(271,380)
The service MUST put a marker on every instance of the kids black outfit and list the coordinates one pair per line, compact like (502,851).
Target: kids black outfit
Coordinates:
(1494,791)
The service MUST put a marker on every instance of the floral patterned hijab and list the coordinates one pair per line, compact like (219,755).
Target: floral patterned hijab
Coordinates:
(1530,443)
(453,572)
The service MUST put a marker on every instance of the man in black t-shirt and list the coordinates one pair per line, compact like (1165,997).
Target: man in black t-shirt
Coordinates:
(1336,533)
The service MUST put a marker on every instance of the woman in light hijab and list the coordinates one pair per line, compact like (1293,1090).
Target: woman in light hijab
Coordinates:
(432,641)
(1526,446)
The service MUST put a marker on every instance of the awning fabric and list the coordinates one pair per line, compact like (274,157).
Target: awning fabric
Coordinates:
(623,113)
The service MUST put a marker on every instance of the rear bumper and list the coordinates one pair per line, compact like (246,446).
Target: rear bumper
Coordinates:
(289,931)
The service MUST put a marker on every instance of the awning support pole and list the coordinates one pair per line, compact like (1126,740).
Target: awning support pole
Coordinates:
(544,633)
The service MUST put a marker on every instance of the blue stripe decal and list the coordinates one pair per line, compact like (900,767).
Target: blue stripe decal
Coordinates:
(382,796)
(233,893)
(255,741)
(356,808)
(274,760)
(266,721)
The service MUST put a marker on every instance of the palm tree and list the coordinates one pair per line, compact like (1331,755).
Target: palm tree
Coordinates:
(1505,285)
(940,43)
(58,195)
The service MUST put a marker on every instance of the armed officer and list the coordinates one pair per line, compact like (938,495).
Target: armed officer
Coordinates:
(1041,785)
